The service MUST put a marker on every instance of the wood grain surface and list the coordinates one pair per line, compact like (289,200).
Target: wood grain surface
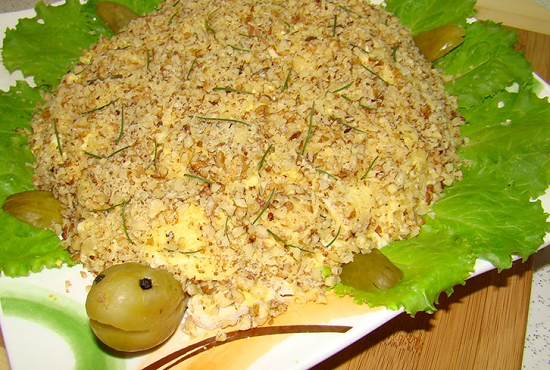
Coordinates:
(481,326)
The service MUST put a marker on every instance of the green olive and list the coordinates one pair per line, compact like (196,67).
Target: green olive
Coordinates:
(116,16)
(437,42)
(371,272)
(133,307)
(36,207)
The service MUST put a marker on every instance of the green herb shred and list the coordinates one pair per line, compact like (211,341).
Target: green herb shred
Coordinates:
(121,126)
(264,207)
(261,164)
(335,237)
(100,107)
(58,141)
(370,167)
(287,79)
(207,21)
(309,131)
(278,238)
(197,178)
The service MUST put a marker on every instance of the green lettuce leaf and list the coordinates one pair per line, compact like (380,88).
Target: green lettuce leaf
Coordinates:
(510,133)
(423,15)
(433,262)
(485,63)
(58,35)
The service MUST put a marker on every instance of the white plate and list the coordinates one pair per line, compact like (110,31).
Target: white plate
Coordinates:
(42,299)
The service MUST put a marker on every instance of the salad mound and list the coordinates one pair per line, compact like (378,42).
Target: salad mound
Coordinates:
(489,214)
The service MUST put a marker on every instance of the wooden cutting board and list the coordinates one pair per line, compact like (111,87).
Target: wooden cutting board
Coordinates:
(482,325)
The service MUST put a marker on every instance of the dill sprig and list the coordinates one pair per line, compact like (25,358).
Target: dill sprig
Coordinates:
(106,209)
(107,157)
(287,79)
(229,89)
(261,164)
(327,173)
(190,68)
(183,252)
(345,8)
(264,207)
(121,126)
(172,18)
(375,74)
(347,98)
(370,167)
(220,119)
(309,131)
(147,58)
(238,48)
(207,21)
(334,25)
(341,88)
(355,46)
(394,51)
(226,229)
(100,107)
(197,178)
(346,125)
(155,152)
(58,141)
(278,238)
(124,227)
(335,237)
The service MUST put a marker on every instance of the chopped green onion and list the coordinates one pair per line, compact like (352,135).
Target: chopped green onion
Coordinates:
(309,132)
(263,157)
(197,178)
(335,237)
(370,167)
(286,244)
(265,207)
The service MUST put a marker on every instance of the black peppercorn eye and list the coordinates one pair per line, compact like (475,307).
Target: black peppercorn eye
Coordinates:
(98,278)
(145,283)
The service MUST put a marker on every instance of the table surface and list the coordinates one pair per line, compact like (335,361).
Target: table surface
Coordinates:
(482,325)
